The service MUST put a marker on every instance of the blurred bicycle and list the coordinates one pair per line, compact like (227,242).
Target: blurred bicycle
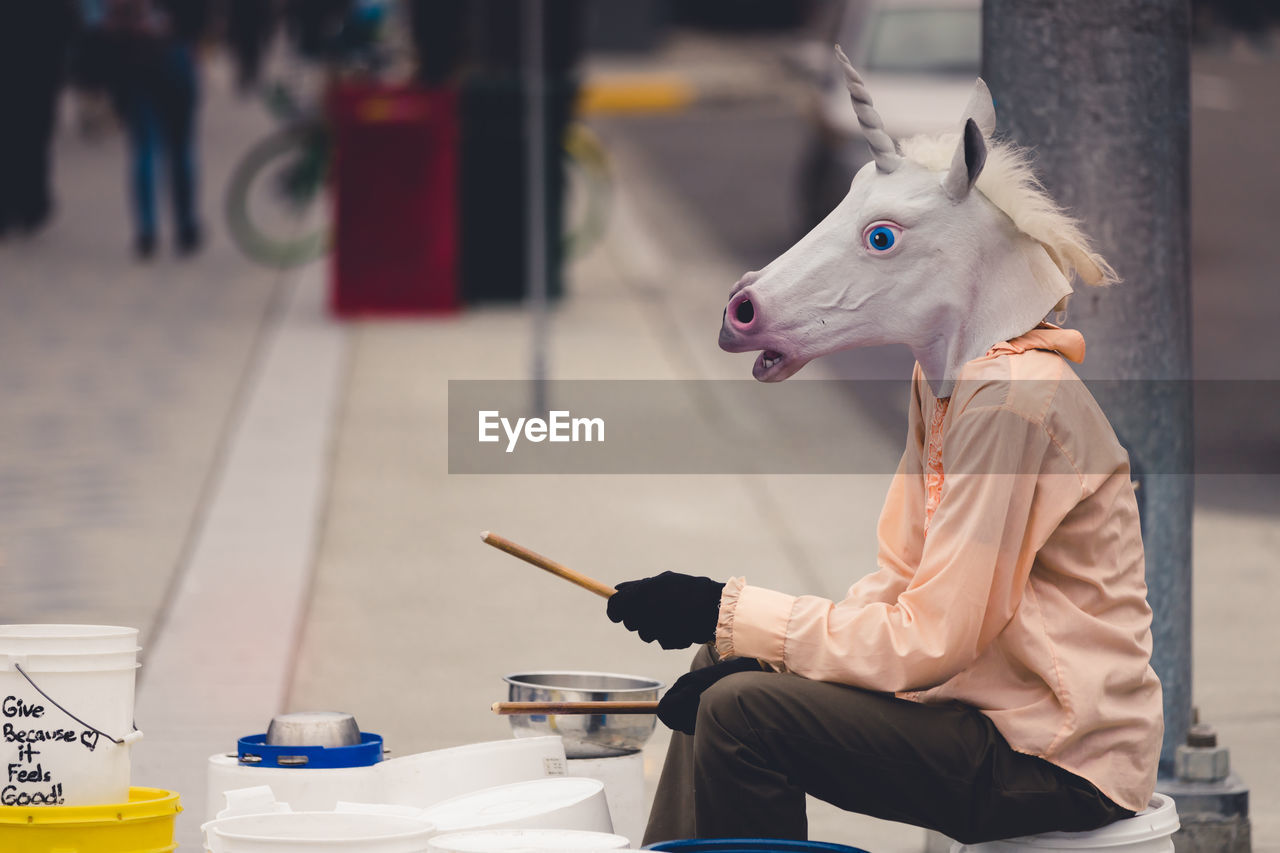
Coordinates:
(272,202)
(271,199)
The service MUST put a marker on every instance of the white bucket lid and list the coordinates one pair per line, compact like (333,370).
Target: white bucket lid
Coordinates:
(1158,820)
(66,639)
(71,661)
(526,841)
(290,832)
(556,798)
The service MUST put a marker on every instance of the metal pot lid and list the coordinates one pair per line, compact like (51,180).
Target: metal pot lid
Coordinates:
(313,728)
(311,739)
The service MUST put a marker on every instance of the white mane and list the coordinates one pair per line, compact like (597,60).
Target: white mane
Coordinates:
(1007,180)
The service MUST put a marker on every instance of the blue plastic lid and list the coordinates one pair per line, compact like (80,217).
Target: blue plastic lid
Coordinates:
(254,751)
(751,845)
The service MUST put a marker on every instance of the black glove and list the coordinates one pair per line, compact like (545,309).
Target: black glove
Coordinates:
(676,610)
(678,709)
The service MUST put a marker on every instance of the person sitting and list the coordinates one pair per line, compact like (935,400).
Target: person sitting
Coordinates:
(992,677)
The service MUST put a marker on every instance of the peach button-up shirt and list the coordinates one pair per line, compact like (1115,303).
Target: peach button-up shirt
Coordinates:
(1016,587)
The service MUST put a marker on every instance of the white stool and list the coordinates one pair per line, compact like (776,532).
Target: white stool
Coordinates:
(1149,831)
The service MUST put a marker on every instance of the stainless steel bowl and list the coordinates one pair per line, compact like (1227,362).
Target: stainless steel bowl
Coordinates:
(585,735)
(313,728)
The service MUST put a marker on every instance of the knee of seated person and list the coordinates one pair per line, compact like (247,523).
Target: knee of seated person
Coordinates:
(728,704)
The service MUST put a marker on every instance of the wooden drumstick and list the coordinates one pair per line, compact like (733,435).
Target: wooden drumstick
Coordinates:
(510,708)
(599,588)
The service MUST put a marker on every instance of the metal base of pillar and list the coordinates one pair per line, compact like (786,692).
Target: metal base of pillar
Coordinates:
(1212,834)
(1214,815)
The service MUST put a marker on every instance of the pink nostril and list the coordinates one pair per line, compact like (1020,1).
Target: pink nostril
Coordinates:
(742,311)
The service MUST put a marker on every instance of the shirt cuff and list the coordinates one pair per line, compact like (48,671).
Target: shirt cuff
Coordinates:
(753,622)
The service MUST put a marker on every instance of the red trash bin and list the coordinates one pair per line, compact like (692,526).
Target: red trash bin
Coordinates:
(395,200)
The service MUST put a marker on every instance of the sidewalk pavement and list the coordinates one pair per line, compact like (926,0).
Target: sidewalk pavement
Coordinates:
(130,435)
(117,380)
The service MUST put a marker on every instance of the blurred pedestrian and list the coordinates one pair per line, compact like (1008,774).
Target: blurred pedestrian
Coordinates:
(34,37)
(89,72)
(439,34)
(249,27)
(314,26)
(156,90)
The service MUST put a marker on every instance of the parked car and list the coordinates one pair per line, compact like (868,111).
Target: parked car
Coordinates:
(919,59)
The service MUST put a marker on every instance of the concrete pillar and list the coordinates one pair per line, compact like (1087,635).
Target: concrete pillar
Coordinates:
(1100,90)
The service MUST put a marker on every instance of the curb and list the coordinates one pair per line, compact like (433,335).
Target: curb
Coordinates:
(666,92)
(636,93)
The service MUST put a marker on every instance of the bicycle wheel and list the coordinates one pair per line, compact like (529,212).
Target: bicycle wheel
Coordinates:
(271,200)
(589,190)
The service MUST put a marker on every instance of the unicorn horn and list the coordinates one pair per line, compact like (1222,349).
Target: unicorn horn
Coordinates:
(882,148)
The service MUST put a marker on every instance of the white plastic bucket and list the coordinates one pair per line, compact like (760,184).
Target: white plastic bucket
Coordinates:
(428,778)
(418,780)
(66,712)
(623,778)
(526,841)
(305,832)
(66,639)
(305,789)
(1149,831)
(554,803)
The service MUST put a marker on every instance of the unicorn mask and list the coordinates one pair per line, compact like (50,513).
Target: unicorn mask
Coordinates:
(947,244)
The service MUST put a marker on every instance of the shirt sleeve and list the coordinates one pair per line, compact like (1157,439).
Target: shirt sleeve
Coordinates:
(972,570)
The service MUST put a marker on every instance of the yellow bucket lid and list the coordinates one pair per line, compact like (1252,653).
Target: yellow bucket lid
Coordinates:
(144,803)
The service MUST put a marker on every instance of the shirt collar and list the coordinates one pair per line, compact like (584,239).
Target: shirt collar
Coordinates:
(1068,342)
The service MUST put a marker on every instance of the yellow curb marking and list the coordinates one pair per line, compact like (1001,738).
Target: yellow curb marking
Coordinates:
(635,94)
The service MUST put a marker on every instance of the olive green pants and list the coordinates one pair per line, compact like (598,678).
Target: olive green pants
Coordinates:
(763,740)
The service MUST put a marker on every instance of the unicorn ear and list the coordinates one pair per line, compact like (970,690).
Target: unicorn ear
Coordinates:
(982,109)
(967,163)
